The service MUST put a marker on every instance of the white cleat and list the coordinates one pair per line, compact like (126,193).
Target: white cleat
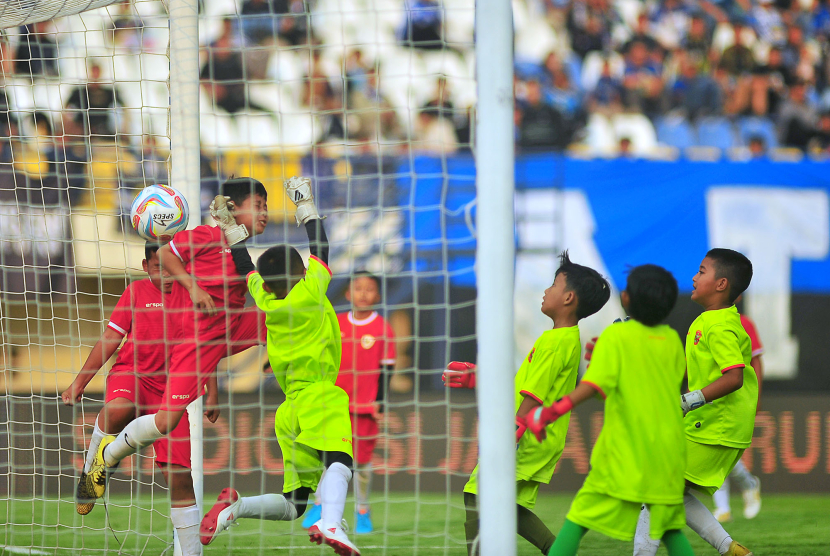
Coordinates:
(723,516)
(752,500)
(220,517)
(334,537)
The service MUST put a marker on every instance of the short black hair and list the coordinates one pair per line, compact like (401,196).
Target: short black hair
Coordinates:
(278,265)
(652,293)
(366,274)
(239,189)
(733,266)
(591,289)
(149,248)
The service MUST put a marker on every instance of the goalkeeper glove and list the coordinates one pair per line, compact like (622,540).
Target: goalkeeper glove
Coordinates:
(541,417)
(691,401)
(521,427)
(459,375)
(299,191)
(221,209)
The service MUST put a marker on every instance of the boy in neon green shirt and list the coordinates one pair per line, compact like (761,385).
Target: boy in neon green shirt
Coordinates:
(313,426)
(639,458)
(547,373)
(720,407)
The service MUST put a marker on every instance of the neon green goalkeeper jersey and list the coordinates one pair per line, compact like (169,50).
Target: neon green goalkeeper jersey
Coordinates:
(716,343)
(547,373)
(303,334)
(640,455)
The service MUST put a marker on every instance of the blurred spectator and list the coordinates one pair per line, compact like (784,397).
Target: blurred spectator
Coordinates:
(6,58)
(642,82)
(127,28)
(423,25)
(153,162)
(698,95)
(316,84)
(292,23)
(37,51)
(697,44)
(607,95)
(738,60)
(768,23)
(797,118)
(94,104)
(624,148)
(757,147)
(355,71)
(258,20)
(671,23)
(735,74)
(223,74)
(791,51)
(559,89)
(589,25)
(820,142)
(642,33)
(442,102)
(371,116)
(540,125)
(769,85)
(434,134)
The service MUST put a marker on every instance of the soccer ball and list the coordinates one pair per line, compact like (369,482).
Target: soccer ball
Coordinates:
(159,212)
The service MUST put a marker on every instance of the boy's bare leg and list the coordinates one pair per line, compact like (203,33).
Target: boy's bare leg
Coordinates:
(184,513)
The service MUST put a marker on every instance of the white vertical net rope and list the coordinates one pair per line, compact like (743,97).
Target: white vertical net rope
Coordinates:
(374,101)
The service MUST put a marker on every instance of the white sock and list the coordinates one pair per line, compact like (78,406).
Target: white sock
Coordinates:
(267,506)
(363,486)
(644,545)
(94,442)
(139,433)
(333,490)
(186,521)
(721,497)
(702,522)
(744,480)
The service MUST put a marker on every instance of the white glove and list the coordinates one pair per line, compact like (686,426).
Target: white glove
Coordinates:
(221,208)
(299,191)
(691,400)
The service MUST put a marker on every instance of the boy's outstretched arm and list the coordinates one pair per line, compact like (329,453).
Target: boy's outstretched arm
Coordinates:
(541,417)
(318,243)
(172,264)
(100,354)
(298,190)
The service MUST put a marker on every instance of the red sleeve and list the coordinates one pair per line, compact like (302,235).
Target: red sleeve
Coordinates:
(752,332)
(188,243)
(390,352)
(121,319)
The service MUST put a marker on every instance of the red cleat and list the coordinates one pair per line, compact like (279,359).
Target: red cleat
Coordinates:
(220,517)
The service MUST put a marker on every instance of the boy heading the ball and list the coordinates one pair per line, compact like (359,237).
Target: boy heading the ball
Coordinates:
(135,387)
(547,373)
(207,306)
(312,424)
(720,407)
(637,366)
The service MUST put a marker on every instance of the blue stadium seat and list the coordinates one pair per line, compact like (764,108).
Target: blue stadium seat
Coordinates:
(676,131)
(757,126)
(716,132)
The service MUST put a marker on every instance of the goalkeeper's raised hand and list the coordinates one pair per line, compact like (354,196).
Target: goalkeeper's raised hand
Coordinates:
(221,210)
(541,417)
(298,190)
(459,375)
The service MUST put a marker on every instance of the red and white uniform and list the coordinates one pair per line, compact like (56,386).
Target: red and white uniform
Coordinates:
(368,345)
(754,340)
(140,372)
(204,340)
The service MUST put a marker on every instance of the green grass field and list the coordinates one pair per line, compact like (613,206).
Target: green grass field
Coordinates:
(794,525)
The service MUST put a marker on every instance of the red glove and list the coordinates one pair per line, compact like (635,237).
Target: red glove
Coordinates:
(459,375)
(541,417)
(589,349)
(521,427)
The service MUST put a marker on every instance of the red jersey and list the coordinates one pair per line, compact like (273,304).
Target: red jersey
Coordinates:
(368,345)
(206,255)
(754,340)
(140,317)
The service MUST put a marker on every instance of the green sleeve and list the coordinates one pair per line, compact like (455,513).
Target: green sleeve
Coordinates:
(725,348)
(604,370)
(540,377)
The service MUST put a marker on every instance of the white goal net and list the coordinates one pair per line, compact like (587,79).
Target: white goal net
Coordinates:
(371,99)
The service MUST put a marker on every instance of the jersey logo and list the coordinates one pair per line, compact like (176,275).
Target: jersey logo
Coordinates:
(154,305)
(698,336)
(367,341)
(530,355)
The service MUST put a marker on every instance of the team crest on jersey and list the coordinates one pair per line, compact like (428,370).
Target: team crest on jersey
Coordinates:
(367,341)
(698,336)
(530,355)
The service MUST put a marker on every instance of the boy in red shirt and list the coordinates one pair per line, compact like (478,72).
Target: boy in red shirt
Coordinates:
(365,367)
(135,386)
(208,299)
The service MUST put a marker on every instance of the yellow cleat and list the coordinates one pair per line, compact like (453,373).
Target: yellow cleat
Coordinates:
(84,502)
(736,549)
(96,479)
(723,516)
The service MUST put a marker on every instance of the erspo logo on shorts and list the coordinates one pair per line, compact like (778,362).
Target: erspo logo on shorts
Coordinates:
(180,396)
(123,390)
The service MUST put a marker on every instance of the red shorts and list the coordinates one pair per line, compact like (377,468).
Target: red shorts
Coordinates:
(365,433)
(195,356)
(146,395)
